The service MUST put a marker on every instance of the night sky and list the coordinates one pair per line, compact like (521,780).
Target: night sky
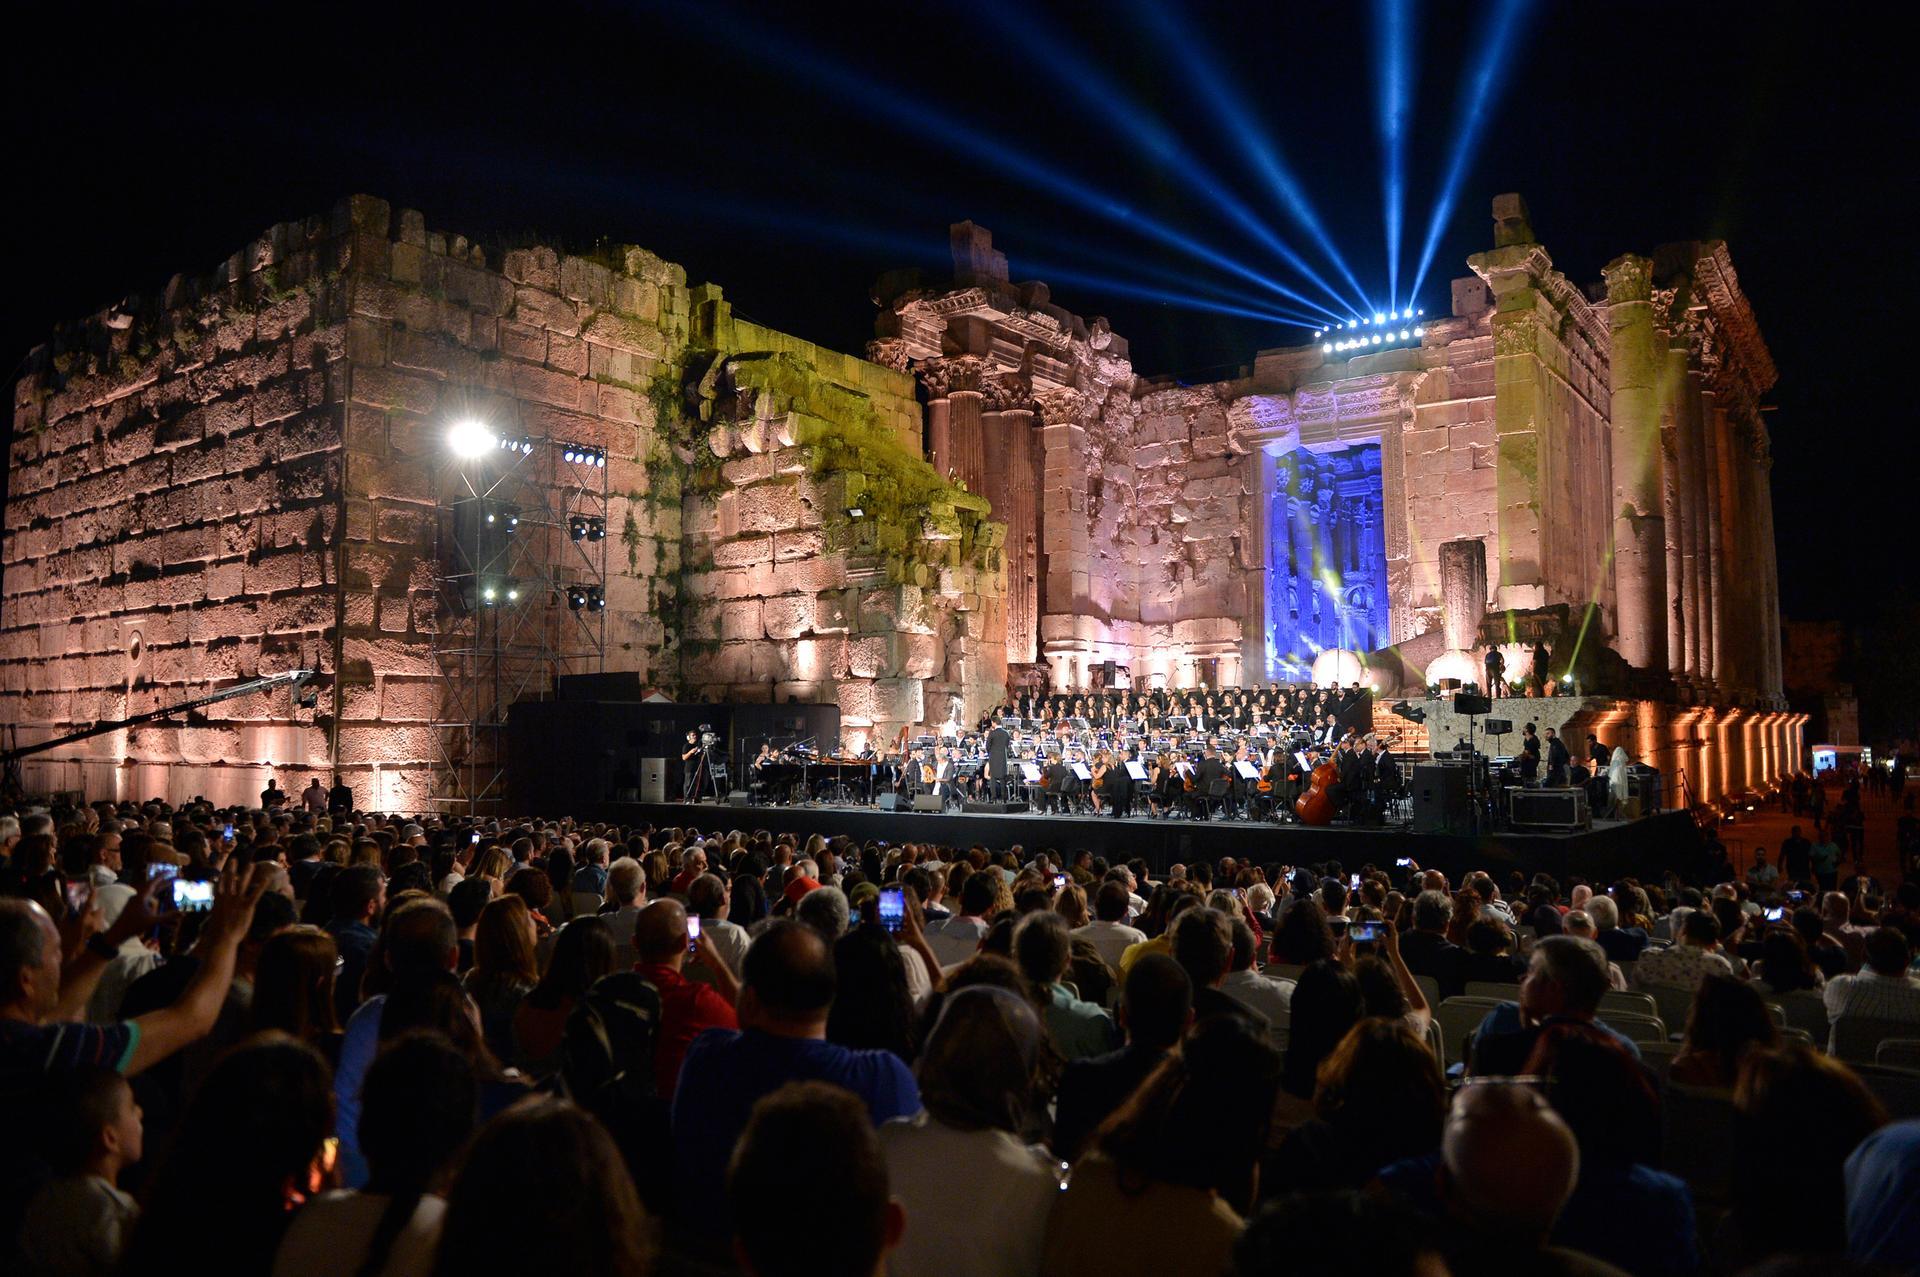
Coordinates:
(791,153)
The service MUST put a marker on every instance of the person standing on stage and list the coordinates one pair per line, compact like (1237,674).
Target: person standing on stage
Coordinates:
(1558,759)
(998,743)
(690,767)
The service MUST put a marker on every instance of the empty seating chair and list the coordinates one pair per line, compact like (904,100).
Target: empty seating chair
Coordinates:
(1639,1028)
(1898,1089)
(1430,987)
(1457,1018)
(1856,1038)
(1672,1004)
(1631,1003)
(1805,1009)
(1497,990)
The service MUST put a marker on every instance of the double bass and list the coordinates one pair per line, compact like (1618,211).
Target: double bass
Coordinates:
(1315,804)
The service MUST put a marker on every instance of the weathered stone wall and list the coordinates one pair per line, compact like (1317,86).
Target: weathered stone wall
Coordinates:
(173,511)
(249,475)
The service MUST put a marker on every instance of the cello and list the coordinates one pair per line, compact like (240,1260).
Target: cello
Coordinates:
(1315,805)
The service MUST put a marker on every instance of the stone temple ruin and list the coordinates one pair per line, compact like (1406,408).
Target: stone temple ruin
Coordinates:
(248,474)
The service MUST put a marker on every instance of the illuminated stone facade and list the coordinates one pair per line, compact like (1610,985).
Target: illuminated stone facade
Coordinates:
(248,473)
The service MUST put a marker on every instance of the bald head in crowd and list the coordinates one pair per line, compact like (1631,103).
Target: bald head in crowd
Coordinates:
(1510,1162)
(660,933)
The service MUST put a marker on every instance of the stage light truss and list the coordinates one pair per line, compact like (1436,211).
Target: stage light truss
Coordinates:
(1378,331)
(520,534)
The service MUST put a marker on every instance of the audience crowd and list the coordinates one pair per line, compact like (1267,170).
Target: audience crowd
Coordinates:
(291,1041)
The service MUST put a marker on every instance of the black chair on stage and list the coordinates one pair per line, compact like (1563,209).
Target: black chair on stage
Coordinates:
(1214,801)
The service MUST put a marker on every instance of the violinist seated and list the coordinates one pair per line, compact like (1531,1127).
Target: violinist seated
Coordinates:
(758,775)
(1055,781)
(1211,771)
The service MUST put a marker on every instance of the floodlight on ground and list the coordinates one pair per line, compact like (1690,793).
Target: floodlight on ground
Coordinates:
(470,437)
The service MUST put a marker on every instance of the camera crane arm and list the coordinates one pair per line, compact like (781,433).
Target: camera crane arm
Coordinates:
(288,678)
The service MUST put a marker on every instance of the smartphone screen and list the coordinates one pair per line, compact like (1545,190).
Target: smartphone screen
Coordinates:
(893,908)
(693,932)
(1363,932)
(229,833)
(76,896)
(476,840)
(1059,881)
(192,897)
(1404,862)
(1777,914)
(1353,883)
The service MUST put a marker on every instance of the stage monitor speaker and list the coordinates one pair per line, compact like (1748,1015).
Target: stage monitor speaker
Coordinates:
(653,780)
(1644,784)
(1549,808)
(738,798)
(889,802)
(1440,802)
(1497,726)
(926,802)
(993,809)
(1469,703)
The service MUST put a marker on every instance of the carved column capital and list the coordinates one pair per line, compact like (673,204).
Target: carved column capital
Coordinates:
(888,352)
(1059,407)
(1629,279)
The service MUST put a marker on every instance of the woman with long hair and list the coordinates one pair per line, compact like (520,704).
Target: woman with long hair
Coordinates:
(1302,936)
(542,1188)
(293,988)
(872,1009)
(1378,1097)
(1728,1020)
(583,951)
(1173,1172)
(505,969)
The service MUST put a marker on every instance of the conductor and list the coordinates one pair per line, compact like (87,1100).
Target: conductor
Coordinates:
(998,743)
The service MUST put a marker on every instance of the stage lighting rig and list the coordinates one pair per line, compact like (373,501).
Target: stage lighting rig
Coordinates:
(583,527)
(1380,331)
(519,444)
(581,454)
(576,597)
(596,599)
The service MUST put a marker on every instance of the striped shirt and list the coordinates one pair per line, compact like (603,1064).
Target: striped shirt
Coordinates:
(30,1052)
(1874,996)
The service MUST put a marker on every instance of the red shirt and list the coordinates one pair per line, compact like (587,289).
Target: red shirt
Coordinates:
(686,1011)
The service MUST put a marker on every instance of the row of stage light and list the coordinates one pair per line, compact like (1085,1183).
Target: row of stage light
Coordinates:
(472,439)
(1370,333)
(591,598)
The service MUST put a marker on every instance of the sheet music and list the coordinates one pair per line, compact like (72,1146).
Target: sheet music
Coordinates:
(1031,772)
(1247,770)
(1081,770)
(1136,771)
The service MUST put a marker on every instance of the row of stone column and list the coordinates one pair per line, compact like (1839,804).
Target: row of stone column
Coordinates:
(1693,554)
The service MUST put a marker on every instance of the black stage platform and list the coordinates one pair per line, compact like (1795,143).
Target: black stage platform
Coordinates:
(1611,849)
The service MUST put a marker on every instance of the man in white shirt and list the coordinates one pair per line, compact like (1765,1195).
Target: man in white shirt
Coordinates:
(1685,965)
(955,939)
(1882,991)
(1109,932)
(1271,998)
(708,897)
(627,889)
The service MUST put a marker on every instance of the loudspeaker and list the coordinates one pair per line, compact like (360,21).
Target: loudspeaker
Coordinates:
(1440,804)
(738,798)
(653,780)
(927,802)
(889,801)
(1468,703)
(993,809)
(1497,726)
(1549,808)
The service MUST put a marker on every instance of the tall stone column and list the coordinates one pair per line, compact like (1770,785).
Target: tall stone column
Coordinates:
(1010,450)
(1065,538)
(1712,436)
(1639,527)
(1698,600)
(1682,565)
(940,433)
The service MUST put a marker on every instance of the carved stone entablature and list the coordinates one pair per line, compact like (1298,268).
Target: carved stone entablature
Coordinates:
(1718,285)
(1264,421)
(889,352)
(1629,279)
(966,301)
(1508,270)
(1037,326)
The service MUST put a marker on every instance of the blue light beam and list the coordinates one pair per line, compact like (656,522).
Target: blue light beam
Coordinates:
(1055,53)
(1393,41)
(1205,73)
(909,115)
(1484,82)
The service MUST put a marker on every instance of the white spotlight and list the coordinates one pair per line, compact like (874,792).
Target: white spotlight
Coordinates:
(1419,332)
(1327,349)
(1421,311)
(469,438)
(1379,319)
(1404,334)
(1376,339)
